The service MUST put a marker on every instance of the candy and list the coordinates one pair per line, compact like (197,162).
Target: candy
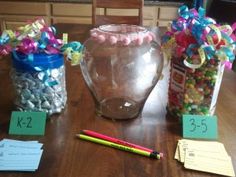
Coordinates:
(35,95)
(113,40)
(38,72)
(198,48)
(126,41)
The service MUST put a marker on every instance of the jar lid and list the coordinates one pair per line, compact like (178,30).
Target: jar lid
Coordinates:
(123,34)
(37,61)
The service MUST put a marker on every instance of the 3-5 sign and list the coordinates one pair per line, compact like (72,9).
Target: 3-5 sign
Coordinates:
(27,123)
(197,126)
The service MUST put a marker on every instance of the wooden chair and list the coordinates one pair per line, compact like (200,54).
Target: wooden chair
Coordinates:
(105,6)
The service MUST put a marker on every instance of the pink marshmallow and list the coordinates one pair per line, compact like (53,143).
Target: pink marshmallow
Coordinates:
(152,35)
(126,41)
(113,40)
(101,38)
(148,38)
(94,35)
(139,40)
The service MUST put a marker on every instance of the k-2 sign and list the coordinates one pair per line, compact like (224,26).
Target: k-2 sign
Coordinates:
(27,123)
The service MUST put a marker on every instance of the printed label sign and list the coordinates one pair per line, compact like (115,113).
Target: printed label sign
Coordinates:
(178,78)
(177,84)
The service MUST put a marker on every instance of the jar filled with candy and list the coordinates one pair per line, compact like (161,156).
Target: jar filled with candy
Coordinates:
(194,91)
(38,72)
(39,84)
(199,49)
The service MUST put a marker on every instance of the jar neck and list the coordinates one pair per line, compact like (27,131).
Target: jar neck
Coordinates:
(122,33)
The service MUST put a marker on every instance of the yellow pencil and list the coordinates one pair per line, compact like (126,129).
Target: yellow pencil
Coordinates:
(118,146)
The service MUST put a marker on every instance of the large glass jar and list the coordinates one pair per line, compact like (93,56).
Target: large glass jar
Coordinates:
(194,90)
(121,64)
(39,82)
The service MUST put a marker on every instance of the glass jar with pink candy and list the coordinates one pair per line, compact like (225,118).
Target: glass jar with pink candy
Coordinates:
(121,65)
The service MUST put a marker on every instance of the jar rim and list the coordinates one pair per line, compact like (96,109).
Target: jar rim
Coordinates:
(123,34)
(122,29)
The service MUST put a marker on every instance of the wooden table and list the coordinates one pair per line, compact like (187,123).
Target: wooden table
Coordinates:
(66,156)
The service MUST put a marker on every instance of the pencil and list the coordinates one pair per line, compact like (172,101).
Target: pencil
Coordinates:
(119,146)
(118,141)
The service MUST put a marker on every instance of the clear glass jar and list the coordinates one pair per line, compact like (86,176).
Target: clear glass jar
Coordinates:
(194,91)
(121,64)
(39,82)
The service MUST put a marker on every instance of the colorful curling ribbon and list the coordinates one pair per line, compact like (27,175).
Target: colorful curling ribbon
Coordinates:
(195,34)
(37,37)
(34,37)
(73,51)
(199,50)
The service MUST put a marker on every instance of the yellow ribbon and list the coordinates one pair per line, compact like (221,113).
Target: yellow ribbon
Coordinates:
(202,60)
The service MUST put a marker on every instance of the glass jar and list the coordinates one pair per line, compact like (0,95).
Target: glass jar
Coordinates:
(121,64)
(194,90)
(39,82)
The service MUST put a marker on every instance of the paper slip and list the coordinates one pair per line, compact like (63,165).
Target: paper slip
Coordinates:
(207,156)
(220,165)
(18,155)
(205,146)
(20,144)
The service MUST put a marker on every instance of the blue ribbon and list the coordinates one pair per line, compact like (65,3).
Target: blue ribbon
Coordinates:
(197,22)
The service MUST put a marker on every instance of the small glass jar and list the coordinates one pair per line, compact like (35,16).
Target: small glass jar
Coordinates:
(194,90)
(39,82)
(121,64)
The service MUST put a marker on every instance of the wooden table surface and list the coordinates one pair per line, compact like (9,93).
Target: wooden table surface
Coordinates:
(66,156)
